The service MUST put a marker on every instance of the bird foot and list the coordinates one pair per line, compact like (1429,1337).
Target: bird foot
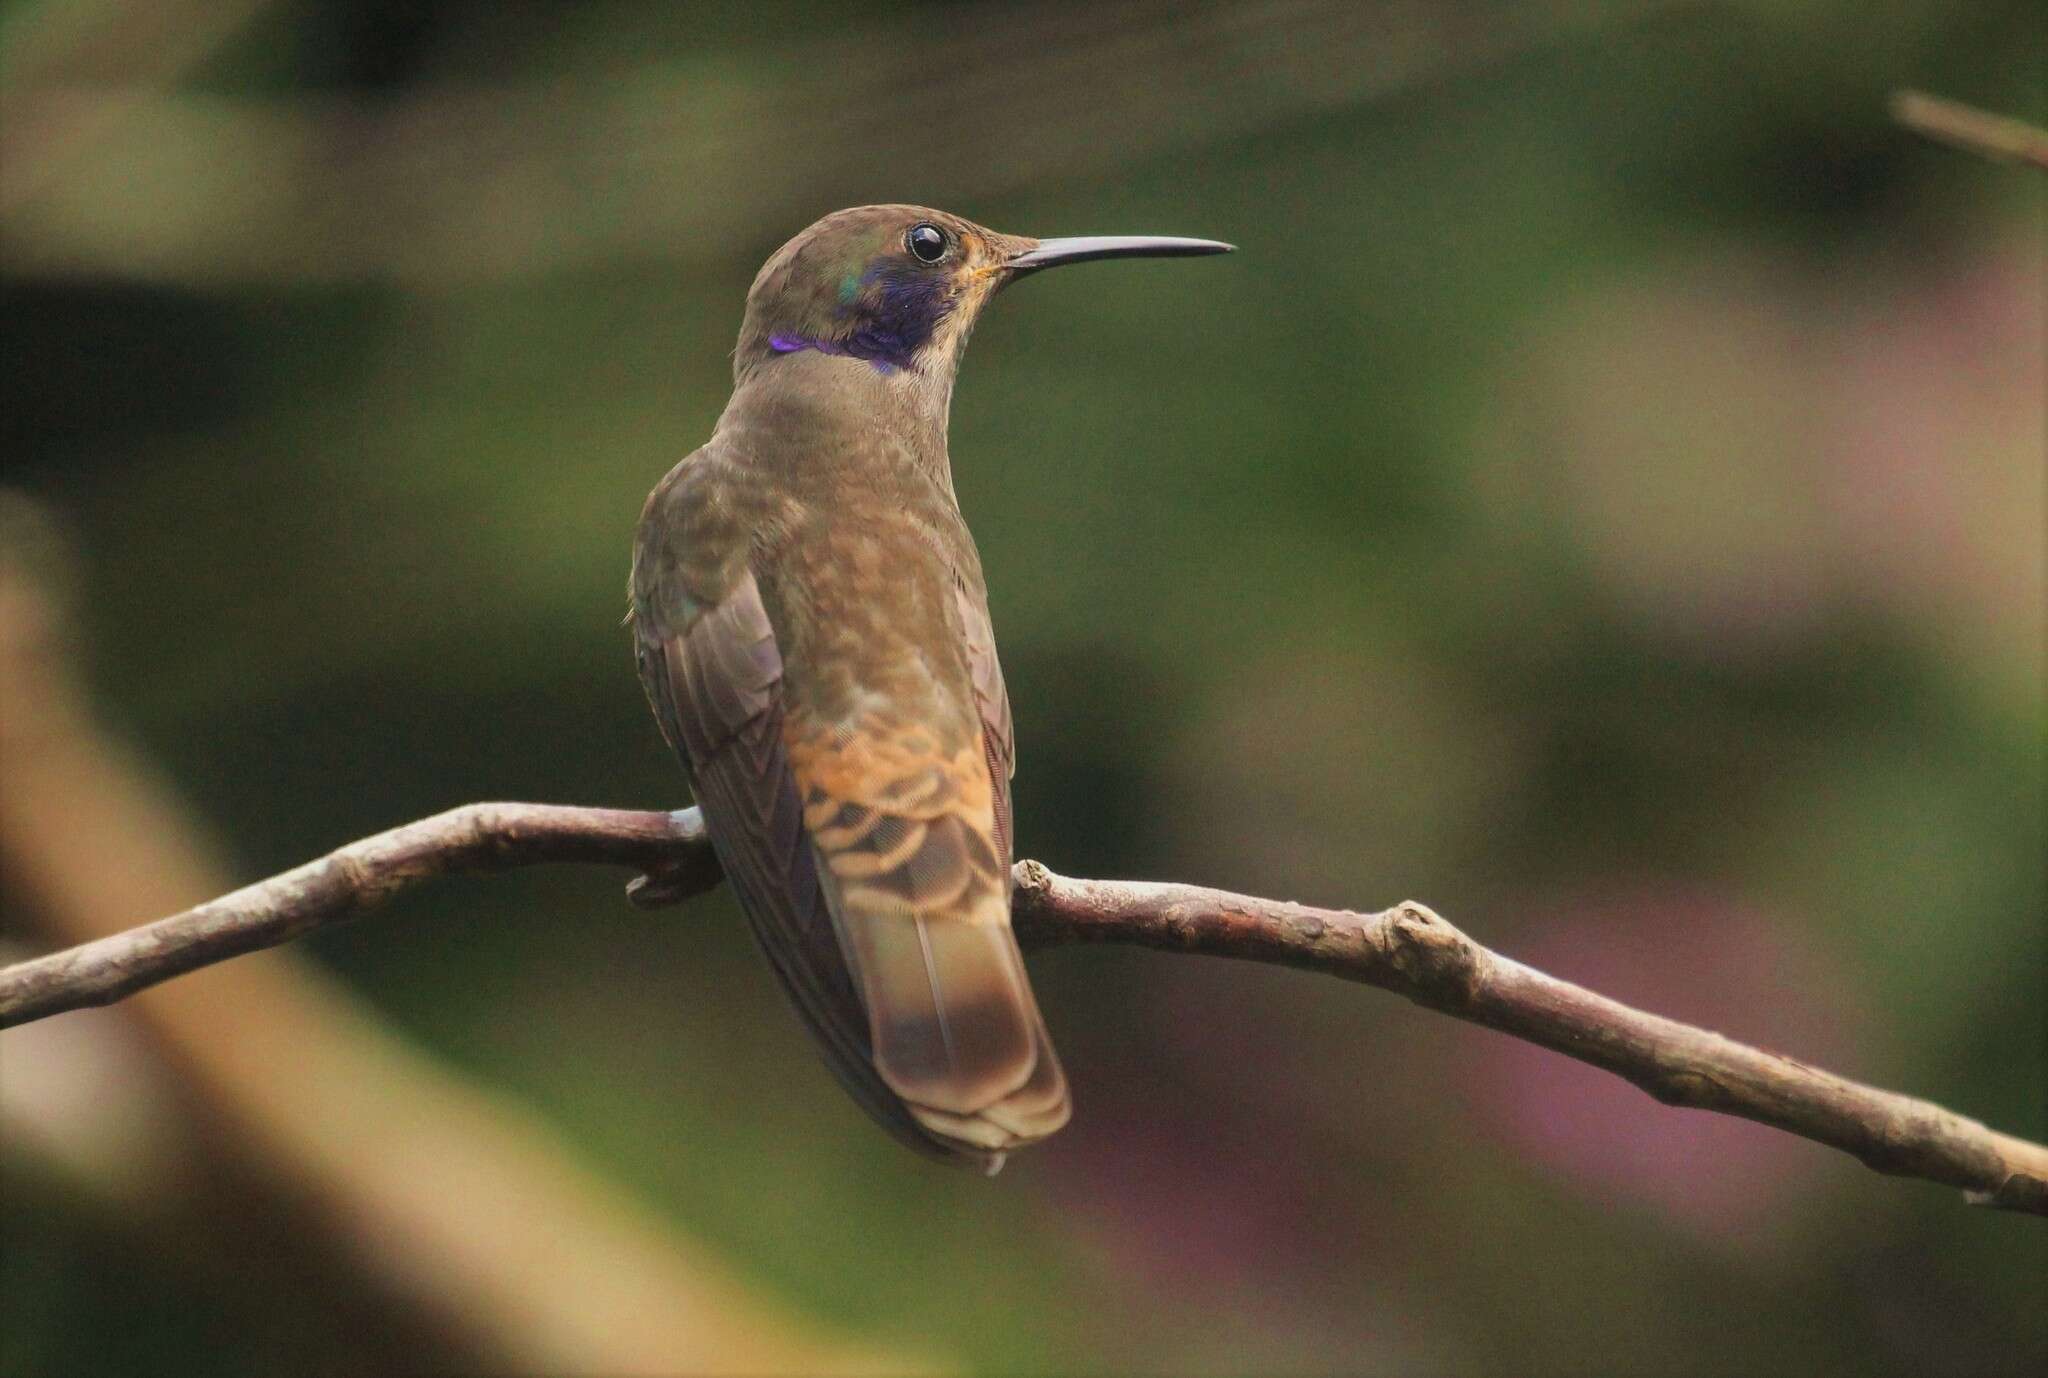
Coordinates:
(693,872)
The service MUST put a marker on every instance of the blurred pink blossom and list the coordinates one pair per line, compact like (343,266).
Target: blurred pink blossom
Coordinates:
(1741,445)
(1696,956)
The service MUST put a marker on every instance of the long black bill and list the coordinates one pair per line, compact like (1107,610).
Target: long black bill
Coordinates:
(1051,253)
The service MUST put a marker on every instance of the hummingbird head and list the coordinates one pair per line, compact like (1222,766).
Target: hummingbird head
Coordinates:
(899,287)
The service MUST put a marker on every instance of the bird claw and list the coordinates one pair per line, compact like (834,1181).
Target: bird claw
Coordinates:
(658,889)
(672,883)
(691,874)
(653,891)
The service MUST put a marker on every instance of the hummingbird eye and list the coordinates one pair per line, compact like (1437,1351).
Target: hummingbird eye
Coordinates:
(926,241)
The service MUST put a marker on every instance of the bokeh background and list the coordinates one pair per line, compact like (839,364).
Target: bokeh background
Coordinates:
(1603,499)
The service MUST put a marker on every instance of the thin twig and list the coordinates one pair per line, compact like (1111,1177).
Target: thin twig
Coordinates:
(1407,949)
(1997,137)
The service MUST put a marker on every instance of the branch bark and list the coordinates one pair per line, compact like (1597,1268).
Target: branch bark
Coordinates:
(1407,949)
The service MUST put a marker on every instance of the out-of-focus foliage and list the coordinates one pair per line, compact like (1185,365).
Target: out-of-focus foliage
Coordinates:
(1603,498)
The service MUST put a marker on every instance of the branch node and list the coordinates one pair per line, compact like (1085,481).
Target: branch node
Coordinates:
(1439,964)
(2018,1192)
(490,837)
(1034,876)
(359,885)
(1686,1089)
(1901,1143)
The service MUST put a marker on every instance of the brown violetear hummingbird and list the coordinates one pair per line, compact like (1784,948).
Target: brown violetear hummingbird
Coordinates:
(813,632)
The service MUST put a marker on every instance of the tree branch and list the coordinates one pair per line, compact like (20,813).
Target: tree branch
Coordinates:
(1996,137)
(1407,949)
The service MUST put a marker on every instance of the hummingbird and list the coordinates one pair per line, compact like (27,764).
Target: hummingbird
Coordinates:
(812,629)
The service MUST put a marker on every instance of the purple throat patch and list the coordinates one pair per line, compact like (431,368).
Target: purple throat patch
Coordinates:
(790,344)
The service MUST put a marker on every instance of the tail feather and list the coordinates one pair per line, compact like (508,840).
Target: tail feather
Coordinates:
(920,897)
(952,1028)
(1041,1105)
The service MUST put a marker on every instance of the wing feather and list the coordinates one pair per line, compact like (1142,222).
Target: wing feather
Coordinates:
(715,687)
(871,857)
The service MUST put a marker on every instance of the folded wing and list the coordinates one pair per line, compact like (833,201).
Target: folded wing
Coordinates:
(874,869)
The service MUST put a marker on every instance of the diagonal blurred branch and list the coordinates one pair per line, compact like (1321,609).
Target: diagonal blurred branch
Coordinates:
(150,46)
(458,1211)
(673,160)
(1406,949)
(1975,131)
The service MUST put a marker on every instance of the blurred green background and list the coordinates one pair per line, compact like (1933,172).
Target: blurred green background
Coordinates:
(1603,499)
